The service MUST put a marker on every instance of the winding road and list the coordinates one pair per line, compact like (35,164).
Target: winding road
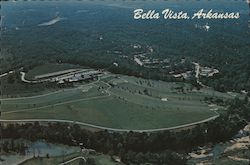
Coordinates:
(71,160)
(5,74)
(197,73)
(113,129)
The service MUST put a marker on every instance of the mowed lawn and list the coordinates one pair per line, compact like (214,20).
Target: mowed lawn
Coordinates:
(121,102)
(54,98)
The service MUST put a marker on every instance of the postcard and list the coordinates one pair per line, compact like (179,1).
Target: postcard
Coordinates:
(103,82)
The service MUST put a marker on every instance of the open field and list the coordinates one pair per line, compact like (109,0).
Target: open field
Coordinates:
(120,102)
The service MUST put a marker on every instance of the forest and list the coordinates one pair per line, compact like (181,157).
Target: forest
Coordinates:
(106,34)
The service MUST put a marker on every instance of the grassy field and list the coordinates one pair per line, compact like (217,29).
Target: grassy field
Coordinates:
(58,97)
(118,101)
(49,68)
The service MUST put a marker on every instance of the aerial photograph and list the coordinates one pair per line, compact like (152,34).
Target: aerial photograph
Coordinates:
(125,82)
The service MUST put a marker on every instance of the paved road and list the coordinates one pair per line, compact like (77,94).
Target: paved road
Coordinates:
(197,73)
(27,81)
(112,129)
(5,74)
(71,160)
